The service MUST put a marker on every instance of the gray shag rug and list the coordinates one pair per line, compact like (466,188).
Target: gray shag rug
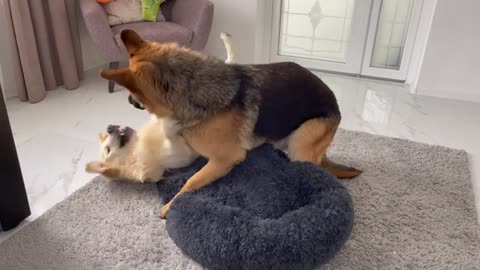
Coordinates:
(414,209)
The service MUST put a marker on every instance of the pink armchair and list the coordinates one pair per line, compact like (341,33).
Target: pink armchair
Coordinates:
(188,22)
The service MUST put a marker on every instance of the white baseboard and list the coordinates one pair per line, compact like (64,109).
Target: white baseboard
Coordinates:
(462,96)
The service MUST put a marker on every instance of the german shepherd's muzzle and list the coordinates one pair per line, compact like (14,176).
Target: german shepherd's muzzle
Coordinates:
(135,103)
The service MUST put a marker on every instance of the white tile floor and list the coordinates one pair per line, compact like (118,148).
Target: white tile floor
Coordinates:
(57,136)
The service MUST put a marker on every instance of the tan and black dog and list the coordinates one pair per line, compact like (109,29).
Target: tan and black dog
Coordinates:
(225,110)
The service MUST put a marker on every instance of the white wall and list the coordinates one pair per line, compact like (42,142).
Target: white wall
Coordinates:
(238,18)
(451,66)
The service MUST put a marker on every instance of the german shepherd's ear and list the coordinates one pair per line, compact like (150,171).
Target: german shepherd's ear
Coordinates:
(122,76)
(132,41)
(102,136)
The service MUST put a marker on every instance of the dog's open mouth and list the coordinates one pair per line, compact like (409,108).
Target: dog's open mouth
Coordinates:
(122,133)
(135,103)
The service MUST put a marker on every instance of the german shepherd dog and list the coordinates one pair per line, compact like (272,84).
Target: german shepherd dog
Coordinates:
(225,110)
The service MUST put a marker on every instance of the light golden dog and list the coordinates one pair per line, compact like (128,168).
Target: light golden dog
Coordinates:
(143,155)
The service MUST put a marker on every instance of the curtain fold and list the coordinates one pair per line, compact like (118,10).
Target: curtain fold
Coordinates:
(44,43)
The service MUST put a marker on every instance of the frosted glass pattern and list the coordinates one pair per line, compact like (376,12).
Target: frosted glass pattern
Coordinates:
(316,29)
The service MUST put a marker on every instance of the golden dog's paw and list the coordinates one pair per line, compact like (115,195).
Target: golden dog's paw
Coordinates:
(94,167)
(165,210)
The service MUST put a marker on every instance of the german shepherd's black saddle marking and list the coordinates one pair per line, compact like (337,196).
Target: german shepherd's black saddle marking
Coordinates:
(267,213)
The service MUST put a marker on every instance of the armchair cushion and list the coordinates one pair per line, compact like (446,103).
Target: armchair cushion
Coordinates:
(96,22)
(159,32)
(128,11)
(123,11)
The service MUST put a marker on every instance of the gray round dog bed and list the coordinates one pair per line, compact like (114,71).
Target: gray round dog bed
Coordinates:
(267,213)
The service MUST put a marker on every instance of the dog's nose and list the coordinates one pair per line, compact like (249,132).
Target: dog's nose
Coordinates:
(110,129)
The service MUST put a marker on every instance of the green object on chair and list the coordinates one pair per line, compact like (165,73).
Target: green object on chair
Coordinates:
(150,9)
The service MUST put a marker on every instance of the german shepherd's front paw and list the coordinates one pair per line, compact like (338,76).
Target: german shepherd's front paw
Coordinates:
(165,210)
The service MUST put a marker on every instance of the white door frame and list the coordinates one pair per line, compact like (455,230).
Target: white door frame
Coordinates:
(423,33)
(353,63)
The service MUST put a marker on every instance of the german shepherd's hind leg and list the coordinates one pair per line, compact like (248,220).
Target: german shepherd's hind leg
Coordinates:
(310,142)
(218,140)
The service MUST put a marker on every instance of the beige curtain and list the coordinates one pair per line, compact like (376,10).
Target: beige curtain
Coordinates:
(44,45)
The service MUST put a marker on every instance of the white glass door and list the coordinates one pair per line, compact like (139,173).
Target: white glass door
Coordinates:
(365,37)
(320,34)
(393,27)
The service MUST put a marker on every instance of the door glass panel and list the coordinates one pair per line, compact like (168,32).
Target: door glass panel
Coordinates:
(391,33)
(316,29)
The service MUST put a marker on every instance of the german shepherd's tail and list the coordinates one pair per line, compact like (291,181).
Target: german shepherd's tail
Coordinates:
(340,171)
(227,41)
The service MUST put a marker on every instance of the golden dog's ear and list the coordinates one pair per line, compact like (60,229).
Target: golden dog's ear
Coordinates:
(102,136)
(132,41)
(122,76)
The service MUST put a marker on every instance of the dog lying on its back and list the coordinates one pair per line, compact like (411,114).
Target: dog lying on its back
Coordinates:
(143,155)
(226,110)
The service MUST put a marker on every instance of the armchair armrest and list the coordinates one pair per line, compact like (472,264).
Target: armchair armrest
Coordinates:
(196,15)
(97,25)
